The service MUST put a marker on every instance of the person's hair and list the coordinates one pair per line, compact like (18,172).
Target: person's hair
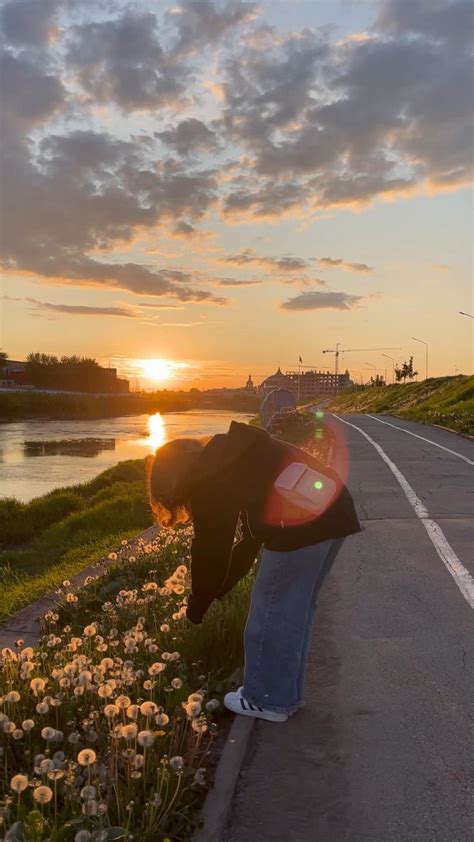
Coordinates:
(169,472)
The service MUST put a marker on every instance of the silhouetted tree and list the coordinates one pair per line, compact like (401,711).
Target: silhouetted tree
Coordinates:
(405,371)
(378,380)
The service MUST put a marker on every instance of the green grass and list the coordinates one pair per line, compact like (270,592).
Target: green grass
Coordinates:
(447,401)
(55,536)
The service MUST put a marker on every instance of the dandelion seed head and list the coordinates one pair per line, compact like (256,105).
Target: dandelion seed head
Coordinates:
(48,733)
(88,791)
(19,783)
(199,778)
(43,794)
(156,668)
(90,807)
(192,709)
(129,732)
(145,739)
(148,708)
(86,757)
(12,697)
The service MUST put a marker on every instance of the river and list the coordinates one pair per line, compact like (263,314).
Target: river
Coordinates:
(38,456)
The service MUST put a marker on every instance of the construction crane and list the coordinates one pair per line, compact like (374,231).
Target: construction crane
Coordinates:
(336,351)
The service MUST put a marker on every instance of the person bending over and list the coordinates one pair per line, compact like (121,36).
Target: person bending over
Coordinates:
(244,474)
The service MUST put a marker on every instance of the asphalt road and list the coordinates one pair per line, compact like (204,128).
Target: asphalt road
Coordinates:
(383,751)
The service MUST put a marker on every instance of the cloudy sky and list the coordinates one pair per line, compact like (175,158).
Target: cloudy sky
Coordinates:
(229,184)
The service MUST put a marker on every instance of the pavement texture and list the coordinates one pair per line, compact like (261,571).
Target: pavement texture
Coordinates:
(383,750)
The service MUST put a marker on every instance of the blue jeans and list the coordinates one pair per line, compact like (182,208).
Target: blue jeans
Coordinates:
(279,624)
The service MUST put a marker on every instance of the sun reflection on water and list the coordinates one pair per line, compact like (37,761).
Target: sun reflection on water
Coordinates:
(157,432)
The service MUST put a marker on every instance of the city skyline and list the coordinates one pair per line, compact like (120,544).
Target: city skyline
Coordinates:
(224,187)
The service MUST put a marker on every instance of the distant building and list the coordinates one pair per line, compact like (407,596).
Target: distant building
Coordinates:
(73,377)
(313,384)
(276,381)
(250,386)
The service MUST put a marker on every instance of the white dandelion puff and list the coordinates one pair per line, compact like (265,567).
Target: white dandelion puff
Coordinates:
(86,757)
(19,783)
(43,794)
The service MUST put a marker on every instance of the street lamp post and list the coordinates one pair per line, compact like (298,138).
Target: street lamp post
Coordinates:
(394,362)
(426,356)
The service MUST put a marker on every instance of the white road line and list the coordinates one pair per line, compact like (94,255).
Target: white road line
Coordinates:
(461,576)
(416,436)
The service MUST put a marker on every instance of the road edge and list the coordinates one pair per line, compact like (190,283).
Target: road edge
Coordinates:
(216,809)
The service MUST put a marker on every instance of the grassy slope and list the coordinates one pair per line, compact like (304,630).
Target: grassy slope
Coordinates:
(48,540)
(448,401)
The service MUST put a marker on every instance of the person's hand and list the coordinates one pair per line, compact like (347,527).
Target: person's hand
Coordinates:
(193,612)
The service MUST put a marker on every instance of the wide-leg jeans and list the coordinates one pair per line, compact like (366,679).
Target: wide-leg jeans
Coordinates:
(280,621)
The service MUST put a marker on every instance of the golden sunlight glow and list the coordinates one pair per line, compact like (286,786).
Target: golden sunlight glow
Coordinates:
(157,432)
(156,369)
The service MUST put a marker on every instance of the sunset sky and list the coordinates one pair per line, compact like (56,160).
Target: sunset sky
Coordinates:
(231,185)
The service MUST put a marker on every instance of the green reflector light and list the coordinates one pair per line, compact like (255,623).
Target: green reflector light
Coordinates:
(318,485)
(320,414)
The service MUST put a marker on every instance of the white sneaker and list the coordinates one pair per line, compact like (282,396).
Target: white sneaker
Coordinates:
(237,704)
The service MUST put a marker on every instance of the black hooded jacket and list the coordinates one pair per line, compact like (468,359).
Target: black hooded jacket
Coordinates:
(234,476)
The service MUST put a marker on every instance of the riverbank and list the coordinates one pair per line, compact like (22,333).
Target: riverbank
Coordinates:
(445,401)
(16,406)
(51,538)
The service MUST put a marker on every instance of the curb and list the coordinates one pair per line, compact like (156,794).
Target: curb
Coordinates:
(25,624)
(456,432)
(216,809)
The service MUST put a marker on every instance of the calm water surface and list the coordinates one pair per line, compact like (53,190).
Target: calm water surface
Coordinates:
(37,456)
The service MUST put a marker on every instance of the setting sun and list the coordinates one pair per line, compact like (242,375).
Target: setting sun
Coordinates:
(156,369)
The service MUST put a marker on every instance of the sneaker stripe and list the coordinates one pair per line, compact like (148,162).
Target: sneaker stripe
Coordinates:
(251,706)
(242,704)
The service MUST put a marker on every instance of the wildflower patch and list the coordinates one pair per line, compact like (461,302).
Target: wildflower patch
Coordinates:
(106,727)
